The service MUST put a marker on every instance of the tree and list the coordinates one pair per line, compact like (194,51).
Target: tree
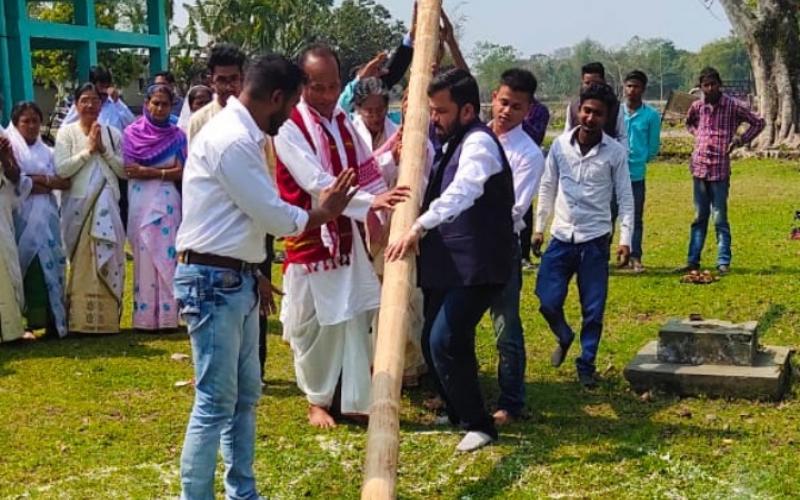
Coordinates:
(490,62)
(769,30)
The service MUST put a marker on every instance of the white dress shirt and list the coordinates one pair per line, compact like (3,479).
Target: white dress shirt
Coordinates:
(112,113)
(527,165)
(229,201)
(622,129)
(580,189)
(480,159)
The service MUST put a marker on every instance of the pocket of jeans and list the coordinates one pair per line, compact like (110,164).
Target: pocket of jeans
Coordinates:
(187,294)
(227,281)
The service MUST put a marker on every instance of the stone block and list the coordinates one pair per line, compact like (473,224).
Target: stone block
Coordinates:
(768,378)
(708,342)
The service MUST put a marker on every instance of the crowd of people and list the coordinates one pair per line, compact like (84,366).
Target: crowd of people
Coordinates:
(199,187)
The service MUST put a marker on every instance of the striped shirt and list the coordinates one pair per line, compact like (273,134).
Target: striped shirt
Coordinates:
(714,127)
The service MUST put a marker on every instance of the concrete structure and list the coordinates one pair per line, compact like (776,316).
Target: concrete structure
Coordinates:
(713,358)
(19,35)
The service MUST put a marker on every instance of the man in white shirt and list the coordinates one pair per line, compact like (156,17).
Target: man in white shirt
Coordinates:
(229,205)
(510,104)
(331,290)
(466,241)
(584,169)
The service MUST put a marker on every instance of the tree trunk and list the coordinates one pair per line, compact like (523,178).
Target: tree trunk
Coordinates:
(770,33)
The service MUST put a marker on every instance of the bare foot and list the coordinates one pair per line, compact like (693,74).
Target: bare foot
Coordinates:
(433,404)
(319,417)
(28,335)
(502,417)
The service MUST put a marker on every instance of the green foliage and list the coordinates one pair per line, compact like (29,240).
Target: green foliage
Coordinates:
(491,60)
(99,416)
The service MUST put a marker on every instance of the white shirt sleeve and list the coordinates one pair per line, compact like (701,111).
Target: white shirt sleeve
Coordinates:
(548,189)
(123,111)
(242,175)
(298,157)
(622,185)
(480,159)
(622,130)
(526,182)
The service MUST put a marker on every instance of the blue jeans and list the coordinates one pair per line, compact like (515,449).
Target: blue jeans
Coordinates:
(510,342)
(448,344)
(589,261)
(639,190)
(710,197)
(220,308)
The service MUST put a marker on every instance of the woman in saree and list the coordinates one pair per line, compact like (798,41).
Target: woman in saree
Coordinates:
(154,152)
(91,156)
(38,225)
(13,188)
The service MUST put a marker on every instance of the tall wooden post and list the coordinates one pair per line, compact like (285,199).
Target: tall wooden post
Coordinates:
(399,279)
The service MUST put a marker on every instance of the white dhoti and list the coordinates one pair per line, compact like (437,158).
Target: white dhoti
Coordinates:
(327,317)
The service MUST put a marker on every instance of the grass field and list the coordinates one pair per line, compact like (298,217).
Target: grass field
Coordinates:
(100,417)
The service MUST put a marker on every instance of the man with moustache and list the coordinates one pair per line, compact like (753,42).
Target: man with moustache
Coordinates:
(332,291)
(465,237)
(584,169)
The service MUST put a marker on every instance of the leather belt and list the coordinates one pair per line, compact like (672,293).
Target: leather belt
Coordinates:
(206,259)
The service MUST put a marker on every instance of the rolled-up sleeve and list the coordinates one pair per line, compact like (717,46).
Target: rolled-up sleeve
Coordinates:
(622,188)
(244,178)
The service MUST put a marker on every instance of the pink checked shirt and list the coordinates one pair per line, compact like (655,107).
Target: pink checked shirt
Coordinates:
(713,128)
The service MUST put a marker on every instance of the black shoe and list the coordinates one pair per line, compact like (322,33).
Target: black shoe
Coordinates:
(588,380)
(723,269)
(557,358)
(687,268)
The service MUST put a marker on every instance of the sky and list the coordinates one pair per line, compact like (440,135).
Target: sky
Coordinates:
(542,26)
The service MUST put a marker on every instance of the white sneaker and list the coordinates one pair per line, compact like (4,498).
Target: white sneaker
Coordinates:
(474,440)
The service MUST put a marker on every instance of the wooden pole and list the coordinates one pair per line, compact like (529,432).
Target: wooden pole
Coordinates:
(399,279)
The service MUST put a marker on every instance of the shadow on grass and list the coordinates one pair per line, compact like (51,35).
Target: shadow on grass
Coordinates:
(129,343)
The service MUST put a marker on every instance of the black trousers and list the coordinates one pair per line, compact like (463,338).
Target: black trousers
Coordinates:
(263,321)
(448,344)
(526,235)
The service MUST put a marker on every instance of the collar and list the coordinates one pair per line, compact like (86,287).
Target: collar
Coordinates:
(246,119)
(573,141)
(337,111)
(509,135)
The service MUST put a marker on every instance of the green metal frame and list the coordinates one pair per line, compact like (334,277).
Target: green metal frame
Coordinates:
(20,34)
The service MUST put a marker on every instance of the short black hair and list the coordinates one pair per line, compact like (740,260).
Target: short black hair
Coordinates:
(99,74)
(600,92)
(23,106)
(168,76)
(637,75)
(594,68)
(519,80)
(271,72)
(462,86)
(318,49)
(226,54)
(709,72)
(84,88)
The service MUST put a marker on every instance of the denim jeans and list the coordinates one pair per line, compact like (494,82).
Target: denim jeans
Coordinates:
(448,344)
(220,308)
(710,197)
(639,190)
(589,261)
(510,342)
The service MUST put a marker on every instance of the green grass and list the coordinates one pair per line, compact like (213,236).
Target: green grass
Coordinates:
(100,417)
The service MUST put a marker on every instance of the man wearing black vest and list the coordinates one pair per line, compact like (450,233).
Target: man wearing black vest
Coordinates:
(464,239)
(595,73)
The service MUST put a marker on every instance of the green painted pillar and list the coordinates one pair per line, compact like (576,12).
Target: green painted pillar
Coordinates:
(5,69)
(19,52)
(157,25)
(86,54)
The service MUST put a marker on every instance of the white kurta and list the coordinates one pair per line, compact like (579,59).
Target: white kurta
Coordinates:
(326,314)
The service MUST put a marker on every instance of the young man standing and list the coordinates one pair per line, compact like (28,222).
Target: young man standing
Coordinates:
(332,291)
(230,203)
(595,73)
(643,124)
(584,169)
(510,104)
(226,67)
(713,121)
(466,240)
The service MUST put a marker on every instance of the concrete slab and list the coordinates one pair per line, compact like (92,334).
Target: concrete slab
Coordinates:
(710,341)
(769,378)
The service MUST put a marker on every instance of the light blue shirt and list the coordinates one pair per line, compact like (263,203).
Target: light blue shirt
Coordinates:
(644,138)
